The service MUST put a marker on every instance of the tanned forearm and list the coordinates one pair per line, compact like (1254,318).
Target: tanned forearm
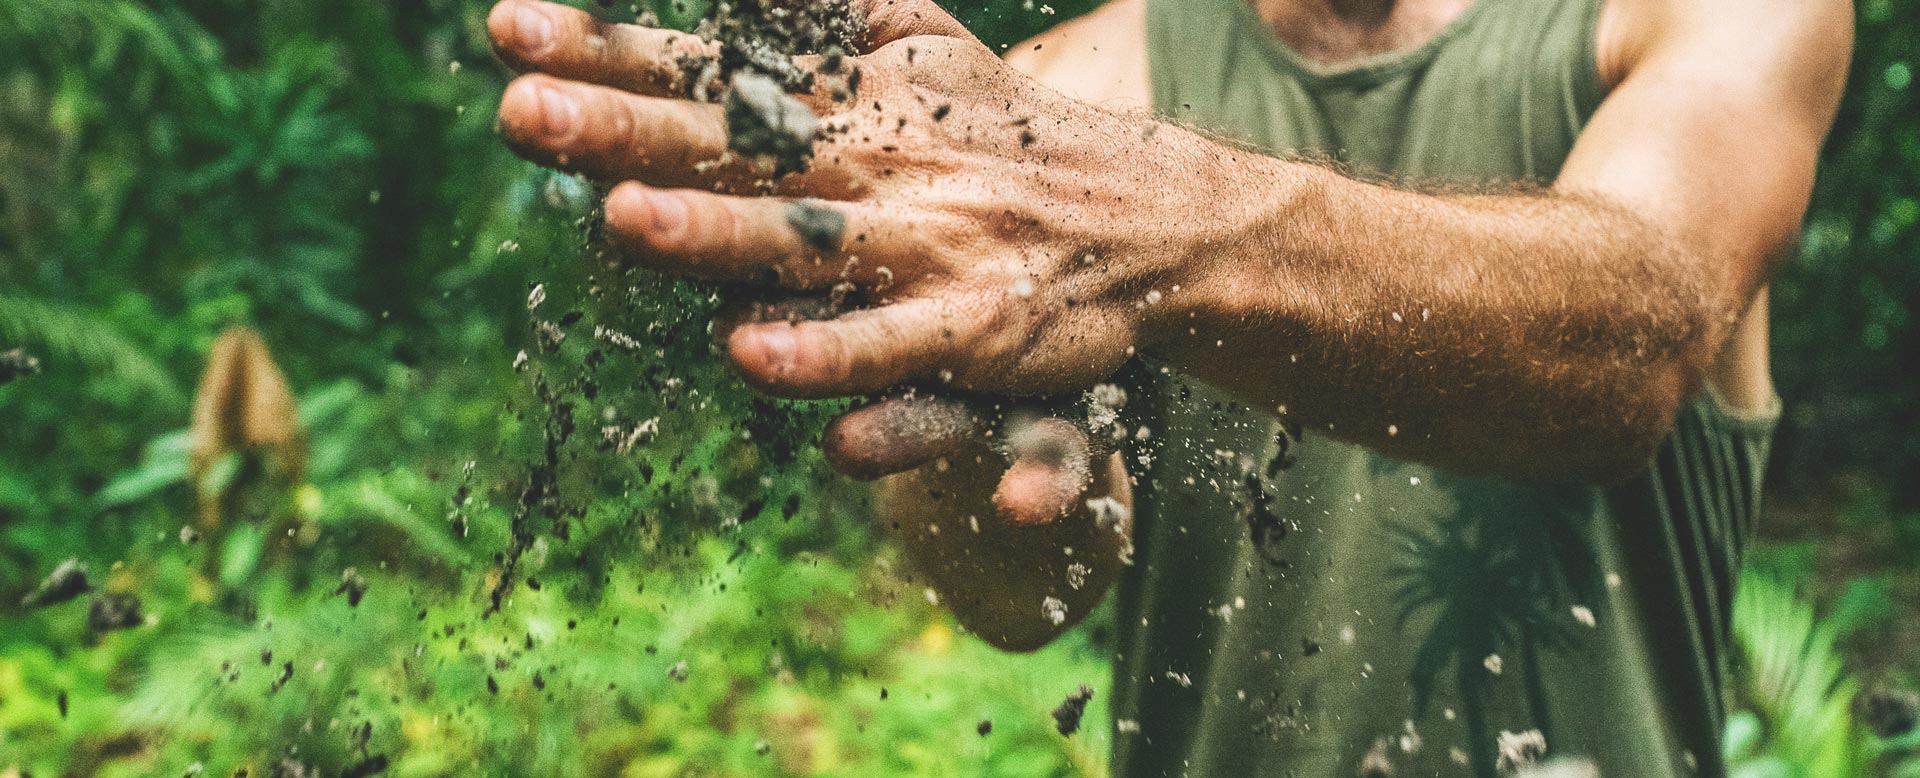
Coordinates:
(1538,334)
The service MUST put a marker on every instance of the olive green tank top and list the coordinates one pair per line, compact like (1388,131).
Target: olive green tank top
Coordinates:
(1358,615)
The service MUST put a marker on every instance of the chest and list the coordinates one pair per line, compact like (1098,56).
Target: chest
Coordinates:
(1331,33)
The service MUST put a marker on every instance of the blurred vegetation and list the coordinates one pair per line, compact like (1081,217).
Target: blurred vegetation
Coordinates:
(327,173)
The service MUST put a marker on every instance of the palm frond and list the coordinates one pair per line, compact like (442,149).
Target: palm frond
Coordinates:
(1795,677)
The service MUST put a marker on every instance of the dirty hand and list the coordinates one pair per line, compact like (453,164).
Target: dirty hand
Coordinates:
(1000,237)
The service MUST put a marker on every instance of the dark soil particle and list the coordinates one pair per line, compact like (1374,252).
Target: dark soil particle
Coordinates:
(67,581)
(353,586)
(1067,717)
(985,727)
(820,226)
(1890,713)
(372,765)
(17,364)
(114,611)
(286,674)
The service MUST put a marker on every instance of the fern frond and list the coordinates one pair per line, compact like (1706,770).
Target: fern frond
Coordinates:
(69,335)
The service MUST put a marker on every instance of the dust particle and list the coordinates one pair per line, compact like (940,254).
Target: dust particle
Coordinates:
(1518,750)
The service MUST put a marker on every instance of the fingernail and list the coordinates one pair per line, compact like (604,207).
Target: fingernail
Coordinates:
(779,346)
(669,214)
(561,112)
(532,28)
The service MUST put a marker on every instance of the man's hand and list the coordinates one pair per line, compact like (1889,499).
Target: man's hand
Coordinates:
(1000,246)
(1008,240)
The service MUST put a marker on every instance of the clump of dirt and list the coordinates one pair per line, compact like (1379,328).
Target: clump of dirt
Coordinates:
(763,36)
(353,585)
(765,123)
(1067,717)
(756,67)
(1520,750)
(67,581)
(111,611)
(17,364)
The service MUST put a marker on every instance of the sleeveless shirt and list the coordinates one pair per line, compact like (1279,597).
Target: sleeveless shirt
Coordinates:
(1358,615)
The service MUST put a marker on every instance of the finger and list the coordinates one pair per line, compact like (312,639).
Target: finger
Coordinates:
(612,135)
(863,352)
(804,244)
(535,36)
(892,20)
(901,433)
(1052,467)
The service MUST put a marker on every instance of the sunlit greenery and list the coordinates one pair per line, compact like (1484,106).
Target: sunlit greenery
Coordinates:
(327,173)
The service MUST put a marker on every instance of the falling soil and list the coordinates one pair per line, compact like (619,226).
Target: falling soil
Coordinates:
(1067,717)
(67,581)
(17,364)
(110,611)
(756,71)
(353,585)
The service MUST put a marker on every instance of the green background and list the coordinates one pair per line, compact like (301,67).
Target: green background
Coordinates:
(328,173)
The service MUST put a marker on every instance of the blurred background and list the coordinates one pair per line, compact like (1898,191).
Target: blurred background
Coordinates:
(481,503)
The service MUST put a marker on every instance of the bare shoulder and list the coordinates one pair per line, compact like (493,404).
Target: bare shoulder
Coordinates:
(1100,58)
(1809,41)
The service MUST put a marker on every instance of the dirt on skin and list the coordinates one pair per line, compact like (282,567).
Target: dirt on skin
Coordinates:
(755,70)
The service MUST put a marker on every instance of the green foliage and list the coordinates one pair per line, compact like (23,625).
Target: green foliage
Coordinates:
(1845,344)
(327,172)
(1796,719)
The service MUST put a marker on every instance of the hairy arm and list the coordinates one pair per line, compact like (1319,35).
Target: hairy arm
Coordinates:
(1010,240)
(1549,334)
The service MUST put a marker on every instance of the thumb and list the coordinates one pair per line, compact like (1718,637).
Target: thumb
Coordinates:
(892,20)
(1052,468)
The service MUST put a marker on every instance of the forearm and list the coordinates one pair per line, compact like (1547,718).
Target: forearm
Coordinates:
(1529,334)
(996,575)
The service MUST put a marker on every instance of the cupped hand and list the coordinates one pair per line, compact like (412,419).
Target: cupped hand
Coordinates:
(1003,238)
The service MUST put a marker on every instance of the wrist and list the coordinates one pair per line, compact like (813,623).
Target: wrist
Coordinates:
(1226,252)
